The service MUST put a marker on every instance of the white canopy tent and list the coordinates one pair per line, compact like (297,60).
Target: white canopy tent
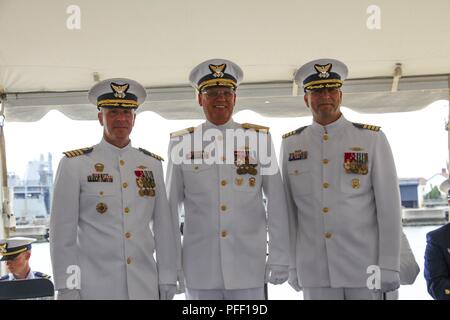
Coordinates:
(45,65)
(53,51)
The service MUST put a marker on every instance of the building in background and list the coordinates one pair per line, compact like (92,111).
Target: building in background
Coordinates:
(422,201)
(412,191)
(31,198)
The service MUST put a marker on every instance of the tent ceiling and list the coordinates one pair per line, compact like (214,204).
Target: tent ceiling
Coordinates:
(44,65)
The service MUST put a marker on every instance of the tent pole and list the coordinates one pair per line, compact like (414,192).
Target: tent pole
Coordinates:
(8,221)
(448,126)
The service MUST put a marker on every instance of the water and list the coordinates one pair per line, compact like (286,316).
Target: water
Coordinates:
(40,261)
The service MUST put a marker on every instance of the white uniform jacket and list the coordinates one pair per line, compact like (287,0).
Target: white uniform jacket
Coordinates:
(103,222)
(342,220)
(409,269)
(226,221)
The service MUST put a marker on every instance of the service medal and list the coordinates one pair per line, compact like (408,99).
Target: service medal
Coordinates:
(298,155)
(145,182)
(245,161)
(99,177)
(197,155)
(252,170)
(356,162)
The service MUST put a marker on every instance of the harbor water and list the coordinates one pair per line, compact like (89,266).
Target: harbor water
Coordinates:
(40,261)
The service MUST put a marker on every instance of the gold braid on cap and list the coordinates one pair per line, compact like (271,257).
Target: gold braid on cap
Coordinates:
(117,103)
(217,82)
(14,252)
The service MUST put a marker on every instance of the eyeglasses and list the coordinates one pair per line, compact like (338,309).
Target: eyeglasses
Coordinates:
(214,93)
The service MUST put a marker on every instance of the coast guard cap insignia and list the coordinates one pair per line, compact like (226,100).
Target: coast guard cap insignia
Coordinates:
(119,90)
(217,70)
(323,70)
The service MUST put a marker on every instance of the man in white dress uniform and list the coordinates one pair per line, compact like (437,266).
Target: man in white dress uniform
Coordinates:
(223,183)
(110,212)
(343,196)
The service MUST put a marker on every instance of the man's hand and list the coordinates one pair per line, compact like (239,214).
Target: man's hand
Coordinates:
(276,274)
(167,291)
(293,280)
(390,280)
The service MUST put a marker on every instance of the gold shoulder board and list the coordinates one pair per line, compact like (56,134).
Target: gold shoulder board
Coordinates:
(181,132)
(367,126)
(78,152)
(151,154)
(298,131)
(256,127)
(42,275)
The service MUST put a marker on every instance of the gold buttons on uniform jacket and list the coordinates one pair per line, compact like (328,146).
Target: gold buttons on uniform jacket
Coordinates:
(128,235)
(326,137)
(126,210)
(325,161)
(326,185)
(196,168)
(129,260)
(325,210)
(101,193)
(224,233)
(296,172)
(223,183)
(101,207)
(125,185)
(223,207)
(328,235)
(122,162)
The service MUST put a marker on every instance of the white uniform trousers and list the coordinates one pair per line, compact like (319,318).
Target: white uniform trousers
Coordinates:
(224,294)
(339,294)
